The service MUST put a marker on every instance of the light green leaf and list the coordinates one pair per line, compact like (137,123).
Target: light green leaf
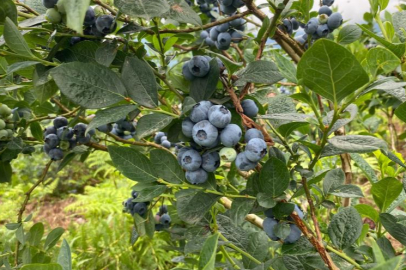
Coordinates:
(261,71)
(207,258)
(345,227)
(20,65)
(365,167)
(36,234)
(286,67)
(150,193)
(37,266)
(348,34)
(331,70)
(151,123)
(240,209)
(14,40)
(381,60)
(146,9)
(53,237)
(75,13)
(167,166)
(367,210)
(385,192)
(274,177)
(392,264)
(353,144)
(65,257)
(400,112)
(389,86)
(90,85)
(399,23)
(110,115)
(347,191)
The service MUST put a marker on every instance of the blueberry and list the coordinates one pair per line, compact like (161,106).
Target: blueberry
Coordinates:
(134,194)
(240,28)
(238,3)
(236,36)
(75,40)
(65,133)
(228,154)
(249,107)
(105,128)
(191,160)
(237,22)
(181,152)
(227,2)
(214,33)
(295,24)
(158,137)
(209,42)
(288,26)
(219,116)
(163,210)
(196,177)
(222,47)
(322,30)
(200,111)
(159,227)
(53,16)
(166,144)
(129,204)
(90,17)
(325,10)
(269,227)
(186,72)
(299,212)
(95,32)
(60,121)
(106,24)
(125,125)
(80,129)
(294,235)
(223,27)
(49,3)
(165,220)
(204,8)
(199,66)
(72,143)
(224,39)
(56,154)
(210,161)
(163,138)
(301,39)
(252,134)
(204,34)
(269,213)
(256,149)
(328,2)
(83,139)
(139,208)
(229,10)
(243,163)
(52,141)
(46,148)
(187,127)
(204,133)
(311,26)
(335,21)
(230,135)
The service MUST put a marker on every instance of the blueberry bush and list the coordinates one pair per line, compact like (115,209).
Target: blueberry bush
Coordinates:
(258,135)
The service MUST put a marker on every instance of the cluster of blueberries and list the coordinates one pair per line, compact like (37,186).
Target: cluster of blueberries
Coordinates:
(98,26)
(270,223)
(321,26)
(228,7)
(6,123)
(59,137)
(198,67)
(162,139)
(123,128)
(222,35)
(162,218)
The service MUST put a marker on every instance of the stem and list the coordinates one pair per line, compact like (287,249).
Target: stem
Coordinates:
(27,8)
(344,256)
(228,257)
(161,46)
(284,142)
(25,15)
(33,58)
(242,252)
(161,111)
(170,87)
(24,205)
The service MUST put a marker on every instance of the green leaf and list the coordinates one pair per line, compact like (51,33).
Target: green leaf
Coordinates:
(282,210)
(146,9)
(110,115)
(385,192)
(20,65)
(90,85)
(381,60)
(37,266)
(240,208)
(331,70)
(274,177)
(261,71)
(392,264)
(280,104)
(386,247)
(8,9)
(349,34)
(286,129)
(151,123)
(390,223)
(352,144)
(203,88)
(345,227)
(257,247)
(389,86)
(347,191)
(66,160)
(36,131)
(84,51)
(234,233)
(53,238)
(20,235)
(149,193)
(180,11)
(400,112)
(352,110)
(36,234)
(265,200)
(192,205)
(365,167)
(367,210)
(399,23)
(282,230)
(5,172)
(36,5)
(333,180)
(166,166)
(14,40)
(75,13)
(140,82)
(106,53)
(301,247)
(65,257)
(132,164)
(286,67)
(207,258)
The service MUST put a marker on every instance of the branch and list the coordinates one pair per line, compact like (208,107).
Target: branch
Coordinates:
(29,9)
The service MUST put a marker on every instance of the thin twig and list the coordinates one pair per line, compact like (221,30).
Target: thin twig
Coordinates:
(29,9)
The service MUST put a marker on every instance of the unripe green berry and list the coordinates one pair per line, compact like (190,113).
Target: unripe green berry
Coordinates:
(9,133)
(53,16)
(228,154)
(10,126)
(3,135)
(323,18)
(5,110)
(2,124)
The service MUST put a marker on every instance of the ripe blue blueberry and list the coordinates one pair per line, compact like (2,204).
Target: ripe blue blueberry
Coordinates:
(204,133)
(49,130)
(52,141)
(84,139)
(90,17)
(223,27)
(249,107)
(328,2)
(236,36)
(106,24)
(158,137)
(166,144)
(322,30)
(134,194)
(159,227)
(204,34)
(210,161)
(311,26)
(200,111)
(294,234)
(269,213)
(219,116)
(227,2)
(228,154)
(256,149)
(325,10)
(80,129)
(187,127)
(165,220)
(238,3)
(139,208)
(180,153)
(237,22)
(231,135)
(163,209)
(49,3)
(186,72)
(243,163)
(224,39)
(65,133)
(199,66)
(128,204)
(204,8)
(252,134)
(105,128)
(335,21)
(191,160)
(214,33)
(240,28)
(60,121)
(288,26)
(72,143)
(229,10)
(196,177)
(56,154)
(210,42)
(163,138)
(269,227)
(295,23)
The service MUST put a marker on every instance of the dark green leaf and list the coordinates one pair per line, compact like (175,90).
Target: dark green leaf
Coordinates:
(20,235)
(239,209)
(207,258)
(386,247)
(21,65)
(106,53)
(14,39)
(353,144)
(65,257)
(352,110)
(400,112)
(257,247)
(265,200)
(131,28)
(132,164)
(390,223)
(140,82)
(282,210)
(392,264)
(301,247)
(5,172)
(203,88)
(150,193)
(192,205)
(274,177)
(286,67)
(286,129)
(181,12)
(36,131)
(166,166)
(348,34)
(347,191)
(389,86)
(35,266)
(345,227)
(333,180)
(260,71)
(36,234)
(234,233)
(8,9)
(151,123)
(323,70)
(282,230)
(365,167)
(385,192)
(110,115)
(367,210)
(90,85)
(84,51)
(146,9)
(53,238)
